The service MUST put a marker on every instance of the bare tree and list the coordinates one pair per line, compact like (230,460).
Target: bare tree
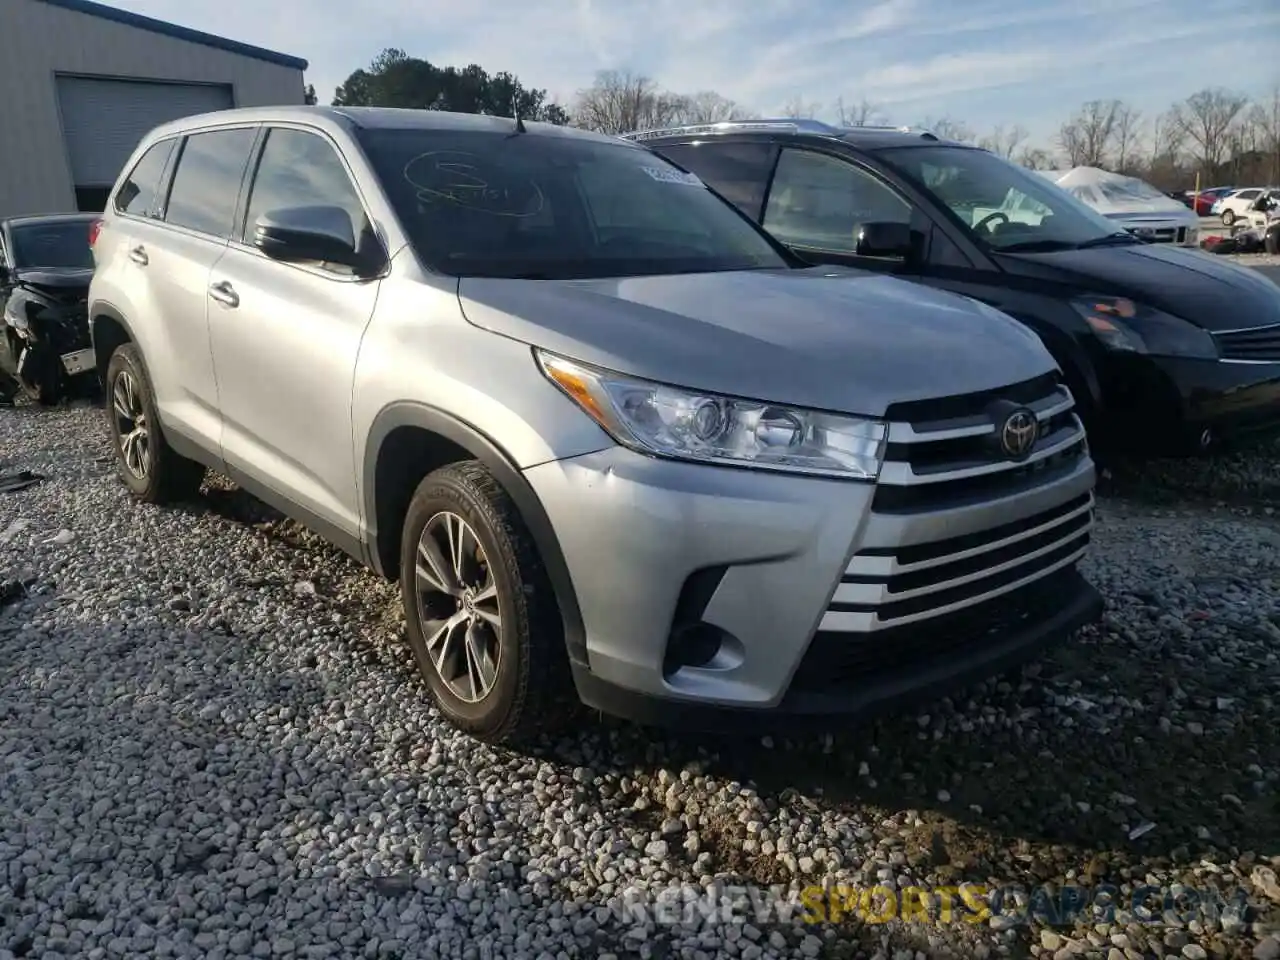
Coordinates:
(1035,158)
(1167,139)
(618,102)
(947,128)
(1206,118)
(1264,121)
(1127,135)
(1165,151)
(1087,136)
(861,114)
(1004,141)
(707,106)
(797,108)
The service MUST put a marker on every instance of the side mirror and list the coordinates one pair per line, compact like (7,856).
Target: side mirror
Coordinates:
(301,234)
(885,239)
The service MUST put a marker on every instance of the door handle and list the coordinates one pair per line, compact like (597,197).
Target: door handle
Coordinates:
(225,294)
(139,256)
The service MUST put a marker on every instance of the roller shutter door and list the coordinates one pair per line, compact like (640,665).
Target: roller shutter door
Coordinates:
(104,119)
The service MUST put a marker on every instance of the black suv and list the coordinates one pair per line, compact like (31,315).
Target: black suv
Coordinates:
(1168,350)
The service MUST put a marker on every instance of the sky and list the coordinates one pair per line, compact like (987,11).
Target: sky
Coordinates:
(984,62)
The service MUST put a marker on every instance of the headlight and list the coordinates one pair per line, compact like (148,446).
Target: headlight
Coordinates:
(1125,326)
(666,421)
(15,314)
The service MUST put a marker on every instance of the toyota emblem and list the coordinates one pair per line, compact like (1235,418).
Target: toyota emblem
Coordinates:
(1018,433)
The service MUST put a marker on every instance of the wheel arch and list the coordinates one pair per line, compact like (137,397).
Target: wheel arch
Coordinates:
(409,440)
(108,329)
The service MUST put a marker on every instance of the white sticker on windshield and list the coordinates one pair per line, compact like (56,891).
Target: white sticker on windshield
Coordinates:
(667,175)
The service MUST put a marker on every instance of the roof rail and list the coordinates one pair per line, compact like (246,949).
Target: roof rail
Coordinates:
(736,126)
(883,128)
(786,125)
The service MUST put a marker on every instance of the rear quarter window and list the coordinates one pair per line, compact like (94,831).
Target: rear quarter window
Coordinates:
(138,193)
(739,172)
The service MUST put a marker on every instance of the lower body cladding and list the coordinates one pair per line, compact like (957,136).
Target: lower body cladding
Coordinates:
(711,596)
(1179,406)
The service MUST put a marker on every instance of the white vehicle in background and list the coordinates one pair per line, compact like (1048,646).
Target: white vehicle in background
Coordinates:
(1237,204)
(1134,204)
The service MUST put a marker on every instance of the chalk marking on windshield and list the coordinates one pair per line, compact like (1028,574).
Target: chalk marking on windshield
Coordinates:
(461,184)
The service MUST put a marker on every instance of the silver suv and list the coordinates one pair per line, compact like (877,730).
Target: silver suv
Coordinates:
(610,437)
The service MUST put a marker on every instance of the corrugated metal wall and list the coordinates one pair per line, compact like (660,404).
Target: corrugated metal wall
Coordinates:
(38,41)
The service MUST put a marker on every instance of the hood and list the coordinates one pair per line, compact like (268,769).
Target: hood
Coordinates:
(1208,291)
(60,280)
(825,338)
(1184,217)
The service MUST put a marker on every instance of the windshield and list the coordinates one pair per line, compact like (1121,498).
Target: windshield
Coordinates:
(487,204)
(1003,205)
(51,245)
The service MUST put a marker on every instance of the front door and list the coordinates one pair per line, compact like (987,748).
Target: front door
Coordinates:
(819,204)
(285,339)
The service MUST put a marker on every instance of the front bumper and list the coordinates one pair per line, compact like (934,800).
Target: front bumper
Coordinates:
(1170,405)
(712,593)
(1070,603)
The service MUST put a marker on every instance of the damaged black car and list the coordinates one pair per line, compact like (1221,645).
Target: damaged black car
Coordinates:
(46,264)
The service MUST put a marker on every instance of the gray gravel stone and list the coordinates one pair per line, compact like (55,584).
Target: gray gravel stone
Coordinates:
(213,744)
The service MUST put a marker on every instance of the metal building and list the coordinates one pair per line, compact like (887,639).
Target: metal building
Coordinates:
(82,82)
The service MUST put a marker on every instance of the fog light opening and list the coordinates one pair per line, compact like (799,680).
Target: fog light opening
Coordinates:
(701,646)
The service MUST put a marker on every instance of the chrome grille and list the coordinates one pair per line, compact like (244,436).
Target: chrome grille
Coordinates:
(944,471)
(1260,344)
(880,590)
(948,461)
(835,660)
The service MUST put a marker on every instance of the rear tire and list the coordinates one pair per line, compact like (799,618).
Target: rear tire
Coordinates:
(149,467)
(482,619)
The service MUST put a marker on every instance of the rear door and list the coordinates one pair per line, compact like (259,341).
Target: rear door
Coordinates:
(286,337)
(170,255)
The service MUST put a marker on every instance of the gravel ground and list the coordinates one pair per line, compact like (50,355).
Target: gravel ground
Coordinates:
(212,744)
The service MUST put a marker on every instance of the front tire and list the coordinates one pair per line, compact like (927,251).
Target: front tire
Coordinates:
(39,381)
(482,619)
(1228,217)
(149,467)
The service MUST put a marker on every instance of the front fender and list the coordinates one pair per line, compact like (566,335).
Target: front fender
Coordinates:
(500,463)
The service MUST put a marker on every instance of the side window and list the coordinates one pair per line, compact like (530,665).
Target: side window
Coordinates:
(818,202)
(1247,194)
(137,195)
(206,184)
(739,172)
(300,169)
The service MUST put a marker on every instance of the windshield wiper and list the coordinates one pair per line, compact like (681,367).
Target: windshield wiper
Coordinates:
(1034,246)
(1111,240)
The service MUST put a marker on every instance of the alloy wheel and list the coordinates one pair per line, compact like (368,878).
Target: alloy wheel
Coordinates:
(131,425)
(458,607)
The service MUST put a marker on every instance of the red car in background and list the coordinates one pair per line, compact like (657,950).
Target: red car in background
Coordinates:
(1203,203)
